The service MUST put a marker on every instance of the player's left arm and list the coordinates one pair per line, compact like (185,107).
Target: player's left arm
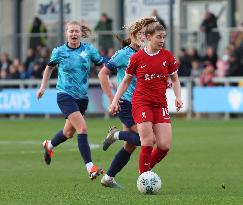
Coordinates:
(173,68)
(177,90)
(96,58)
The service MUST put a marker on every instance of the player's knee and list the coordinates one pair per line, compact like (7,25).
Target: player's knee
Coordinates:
(165,147)
(147,142)
(129,147)
(82,130)
(69,134)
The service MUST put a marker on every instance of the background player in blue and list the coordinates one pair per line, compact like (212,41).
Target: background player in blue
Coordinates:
(73,60)
(119,62)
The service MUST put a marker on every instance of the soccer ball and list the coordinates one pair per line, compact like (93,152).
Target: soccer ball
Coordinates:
(149,183)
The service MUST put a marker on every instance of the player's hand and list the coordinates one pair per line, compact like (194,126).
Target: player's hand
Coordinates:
(178,104)
(40,93)
(114,108)
(120,101)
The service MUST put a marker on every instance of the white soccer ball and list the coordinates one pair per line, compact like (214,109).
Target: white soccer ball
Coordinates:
(149,183)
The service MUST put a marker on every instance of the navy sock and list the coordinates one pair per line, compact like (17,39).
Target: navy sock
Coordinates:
(131,137)
(58,138)
(119,161)
(84,148)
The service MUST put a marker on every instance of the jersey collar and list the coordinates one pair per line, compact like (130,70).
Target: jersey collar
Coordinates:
(73,48)
(132,48)
(153,54)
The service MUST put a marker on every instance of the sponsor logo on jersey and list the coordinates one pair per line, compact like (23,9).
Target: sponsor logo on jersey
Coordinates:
(153,76)
(143,115)
(83,54)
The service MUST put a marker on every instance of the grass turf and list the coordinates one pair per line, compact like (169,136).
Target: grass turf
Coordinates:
(204,166)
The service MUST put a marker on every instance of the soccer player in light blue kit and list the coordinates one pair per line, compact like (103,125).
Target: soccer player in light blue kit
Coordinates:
(73,61)
(119,62)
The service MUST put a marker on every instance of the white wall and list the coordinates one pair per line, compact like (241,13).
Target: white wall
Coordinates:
(6,25)
(29,10)
(239,13)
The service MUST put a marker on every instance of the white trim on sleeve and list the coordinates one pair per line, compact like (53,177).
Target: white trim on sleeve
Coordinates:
(174,72)
(129,74)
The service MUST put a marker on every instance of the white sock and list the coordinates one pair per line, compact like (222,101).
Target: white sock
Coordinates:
(116,135)
(108,177)
(89,166)
(49,145)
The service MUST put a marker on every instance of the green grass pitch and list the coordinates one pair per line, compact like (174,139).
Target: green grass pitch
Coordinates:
(205,166)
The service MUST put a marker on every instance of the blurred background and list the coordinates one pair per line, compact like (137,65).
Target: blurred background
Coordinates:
(205,36)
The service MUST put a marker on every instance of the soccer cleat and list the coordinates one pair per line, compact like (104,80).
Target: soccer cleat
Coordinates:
(109,138)
(95,172)
(48,153)
(109,183)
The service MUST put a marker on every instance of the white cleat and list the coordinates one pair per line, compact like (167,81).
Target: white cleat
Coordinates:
(109,140)
(109,182)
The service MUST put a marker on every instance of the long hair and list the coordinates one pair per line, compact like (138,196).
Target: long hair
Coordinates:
(139,24)
(124,42)
(153,27)
(85,30)
(133,28)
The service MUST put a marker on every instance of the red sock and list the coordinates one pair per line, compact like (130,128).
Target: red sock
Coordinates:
(157,155)
(145,158)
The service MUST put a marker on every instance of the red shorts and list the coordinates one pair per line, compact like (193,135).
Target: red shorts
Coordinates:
(149,113)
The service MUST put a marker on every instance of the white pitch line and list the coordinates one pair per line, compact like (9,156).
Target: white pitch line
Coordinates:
(29,142)
(23,142)
(92,147)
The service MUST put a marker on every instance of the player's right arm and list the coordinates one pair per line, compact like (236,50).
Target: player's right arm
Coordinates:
(114,107)
(46,76)
(54,60)
(130,71)
(116,62)
(105,82)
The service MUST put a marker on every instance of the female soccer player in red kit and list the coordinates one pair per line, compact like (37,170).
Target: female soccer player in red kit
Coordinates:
(151,66)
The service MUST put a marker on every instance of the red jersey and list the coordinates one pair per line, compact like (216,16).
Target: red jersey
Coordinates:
(152,73)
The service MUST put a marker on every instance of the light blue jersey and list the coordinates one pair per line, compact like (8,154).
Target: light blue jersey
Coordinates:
(119,61)
(74,68)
